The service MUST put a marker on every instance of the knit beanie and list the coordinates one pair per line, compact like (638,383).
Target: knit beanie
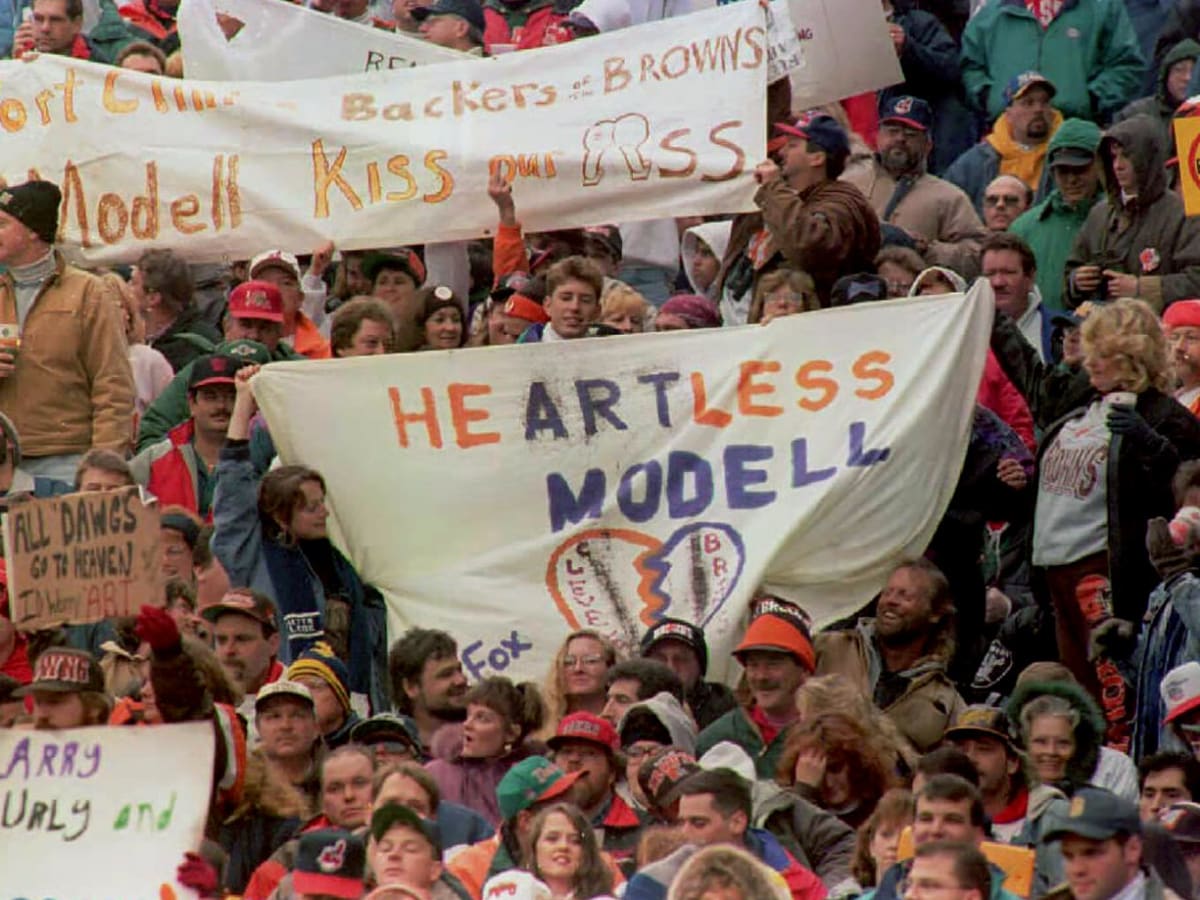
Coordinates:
(319,660)
(35,205)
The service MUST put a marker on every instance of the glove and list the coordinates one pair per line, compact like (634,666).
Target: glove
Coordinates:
(1169,558)
(156,628)
(1128,422)
(1113,638)
(198,873)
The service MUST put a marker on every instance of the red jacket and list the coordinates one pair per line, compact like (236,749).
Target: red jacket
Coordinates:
(540,27)
(172,469)
(1001,396)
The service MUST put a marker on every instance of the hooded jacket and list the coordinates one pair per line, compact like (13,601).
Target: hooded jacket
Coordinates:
(1159,105)
(1051,226)
(665,712)
(930,702)
(716,235)
(1088,735)
(268,816)
(1149,235)
(1089,52)
(999,154)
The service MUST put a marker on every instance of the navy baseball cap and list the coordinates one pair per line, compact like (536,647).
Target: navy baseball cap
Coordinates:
(470,10)
(1096,814)
(911,111)
(1019,85)
(822,130)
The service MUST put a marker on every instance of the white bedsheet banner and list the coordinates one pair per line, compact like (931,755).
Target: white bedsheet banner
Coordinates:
(634,125)
(98,813)
(283,41)
(511,494)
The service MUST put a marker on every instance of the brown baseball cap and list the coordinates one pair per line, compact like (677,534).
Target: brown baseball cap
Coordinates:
(244,602)
(64,671)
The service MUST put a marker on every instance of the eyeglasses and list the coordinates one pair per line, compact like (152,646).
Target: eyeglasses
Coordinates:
(588,662)
(1002,200)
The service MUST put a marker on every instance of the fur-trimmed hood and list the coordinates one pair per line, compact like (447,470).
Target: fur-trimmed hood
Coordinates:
(266,793)
(1089,733)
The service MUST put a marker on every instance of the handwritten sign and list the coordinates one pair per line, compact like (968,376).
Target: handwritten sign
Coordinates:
(81,557)
(640,477)
(95,813)
(281,41)
(641,123)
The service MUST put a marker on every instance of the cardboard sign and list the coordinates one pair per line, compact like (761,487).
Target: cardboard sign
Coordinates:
(606,483)
(638,124)
(282,41)
(81,558)
(97,813)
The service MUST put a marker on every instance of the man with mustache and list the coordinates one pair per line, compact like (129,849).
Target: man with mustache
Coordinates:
(1181,322)
(899,658)
(247,643)
(777,655)
(181,469)
(1017,145)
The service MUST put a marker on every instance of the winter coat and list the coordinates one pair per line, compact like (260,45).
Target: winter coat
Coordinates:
(709,700)
(1180,21)
(737,727)
(171,407)
(930,208)
(1044,802)
(1051,226)
(978,166)
(1159,105)
(1089,51)
(929,62)
(802,883)
(1170,637)
(818,839)
(73,386)
(285,574)
(1051,390)
(828,230)
(472,782)
(537,23)
(1138,489)
(188,337)
(1150,236)
(267,818)
(1088,735)
(168,469)
(930,702)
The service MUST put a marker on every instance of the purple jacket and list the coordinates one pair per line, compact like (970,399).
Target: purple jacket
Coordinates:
(472,782)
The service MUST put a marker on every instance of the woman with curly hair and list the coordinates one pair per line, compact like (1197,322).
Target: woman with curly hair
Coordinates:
(878,841)
(1104,470)
(836,761)
(837,693)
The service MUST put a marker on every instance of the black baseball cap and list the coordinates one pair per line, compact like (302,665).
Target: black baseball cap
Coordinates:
(214,369)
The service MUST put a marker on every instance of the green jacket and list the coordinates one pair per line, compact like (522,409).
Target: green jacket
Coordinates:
(1090,53)
(109,35)
(171,407)
(736,726)
(1050,227)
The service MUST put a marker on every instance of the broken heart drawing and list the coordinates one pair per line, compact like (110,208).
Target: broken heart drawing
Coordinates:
(620,581)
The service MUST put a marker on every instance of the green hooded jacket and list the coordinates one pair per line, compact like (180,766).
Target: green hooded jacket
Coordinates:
(1050,227)
(1089,733)
(1160,105)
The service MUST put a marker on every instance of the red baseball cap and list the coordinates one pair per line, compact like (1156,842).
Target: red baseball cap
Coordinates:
(582,726)
(256,300)
(521,307)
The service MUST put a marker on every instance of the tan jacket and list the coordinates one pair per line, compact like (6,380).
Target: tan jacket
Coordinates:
(922,713)
(73,387)
(933,209)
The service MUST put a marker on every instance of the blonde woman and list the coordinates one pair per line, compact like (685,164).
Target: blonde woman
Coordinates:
(624,309)
(783,292)
(1104,470)
(577,678)
(730,873)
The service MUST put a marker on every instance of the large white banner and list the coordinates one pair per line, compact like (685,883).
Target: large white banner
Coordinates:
(97,813)
(281,41)
(511,494)
(634,125)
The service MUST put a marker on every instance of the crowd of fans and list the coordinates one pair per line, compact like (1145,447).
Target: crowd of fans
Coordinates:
(1015,714)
